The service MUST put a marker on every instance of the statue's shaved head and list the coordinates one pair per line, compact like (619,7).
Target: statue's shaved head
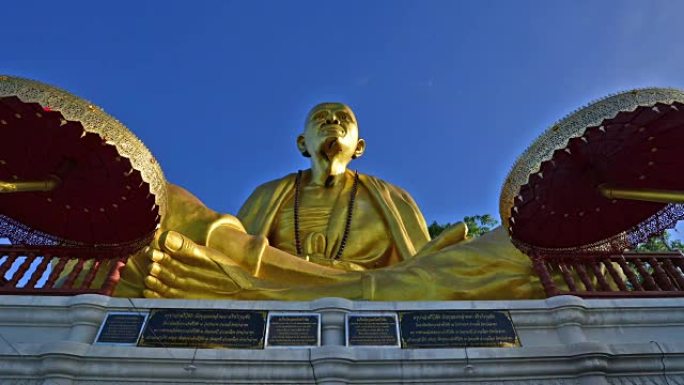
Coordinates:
(328,106)
(331,130)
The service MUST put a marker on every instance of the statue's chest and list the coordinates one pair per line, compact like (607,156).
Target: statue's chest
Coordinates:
(322,220)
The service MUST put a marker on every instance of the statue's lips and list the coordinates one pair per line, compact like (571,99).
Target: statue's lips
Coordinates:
(332,130)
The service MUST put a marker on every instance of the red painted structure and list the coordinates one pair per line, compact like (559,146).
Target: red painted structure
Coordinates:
(612,276)
(54,270)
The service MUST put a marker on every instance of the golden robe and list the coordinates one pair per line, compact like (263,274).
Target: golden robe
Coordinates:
(397,233)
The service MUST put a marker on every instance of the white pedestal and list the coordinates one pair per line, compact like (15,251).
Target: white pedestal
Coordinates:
(565,340)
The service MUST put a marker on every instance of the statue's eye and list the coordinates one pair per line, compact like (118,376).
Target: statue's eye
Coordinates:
(343,117)
(320,115)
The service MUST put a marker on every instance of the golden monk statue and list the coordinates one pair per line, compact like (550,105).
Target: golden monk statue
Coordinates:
(326,231)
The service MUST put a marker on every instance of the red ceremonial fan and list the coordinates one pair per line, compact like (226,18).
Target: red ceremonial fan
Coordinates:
(603,179)
(71,174)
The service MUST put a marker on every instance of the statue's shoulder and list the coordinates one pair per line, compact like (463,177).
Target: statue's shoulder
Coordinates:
(266,194)
(276,184)
(406,223)
(382,185)
(258,211)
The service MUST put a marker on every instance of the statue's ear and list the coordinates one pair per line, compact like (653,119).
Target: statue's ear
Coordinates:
(360,148)
(301,145)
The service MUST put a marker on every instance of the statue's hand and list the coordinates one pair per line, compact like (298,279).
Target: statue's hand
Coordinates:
(182,269)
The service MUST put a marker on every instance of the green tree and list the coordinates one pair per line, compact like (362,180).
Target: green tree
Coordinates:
(477,225)
(661,242)
(436,228)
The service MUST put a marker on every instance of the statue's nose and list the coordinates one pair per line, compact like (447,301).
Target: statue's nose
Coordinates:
(334,120)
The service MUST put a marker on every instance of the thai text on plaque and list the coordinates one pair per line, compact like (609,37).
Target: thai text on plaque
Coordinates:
(456,329)
(205,328)
(372,329)
(293,330)
(121,328)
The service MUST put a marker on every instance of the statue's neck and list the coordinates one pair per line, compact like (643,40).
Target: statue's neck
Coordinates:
(328,175)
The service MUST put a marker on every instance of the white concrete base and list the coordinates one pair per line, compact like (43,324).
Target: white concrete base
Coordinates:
(565,340)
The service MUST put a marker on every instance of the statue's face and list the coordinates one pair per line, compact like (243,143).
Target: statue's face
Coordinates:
(331,132)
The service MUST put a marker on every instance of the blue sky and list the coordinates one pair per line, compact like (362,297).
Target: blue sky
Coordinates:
(448,93)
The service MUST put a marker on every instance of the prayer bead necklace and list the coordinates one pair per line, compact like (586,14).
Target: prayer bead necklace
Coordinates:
(347,225)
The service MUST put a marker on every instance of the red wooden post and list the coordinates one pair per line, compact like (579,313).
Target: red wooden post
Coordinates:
(679,262)
(660,275)
(69,283)
(56,272)
(677,275)
(91,274)
(22,269)
(114,276)
(649,283)
(614,274)
(11,257)
(567,275)
(584,277)
(629,273)
(603,284)
(39,271)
